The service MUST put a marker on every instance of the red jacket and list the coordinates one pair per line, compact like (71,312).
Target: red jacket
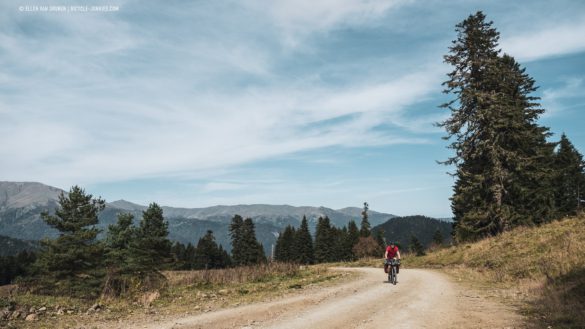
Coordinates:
(391,251)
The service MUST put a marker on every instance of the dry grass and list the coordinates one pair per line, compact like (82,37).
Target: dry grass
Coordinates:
(186,292)
(262,272)
(543,268)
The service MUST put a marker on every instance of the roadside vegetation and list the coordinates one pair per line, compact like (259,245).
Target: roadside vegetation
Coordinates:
(77,279)
(540,269)
(184,293)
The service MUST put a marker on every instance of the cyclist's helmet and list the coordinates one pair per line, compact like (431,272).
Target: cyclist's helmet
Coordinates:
(392,243)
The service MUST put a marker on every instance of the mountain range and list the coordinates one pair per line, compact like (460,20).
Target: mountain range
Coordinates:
(21,204)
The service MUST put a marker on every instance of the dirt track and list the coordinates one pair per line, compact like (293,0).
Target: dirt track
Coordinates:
(421,299)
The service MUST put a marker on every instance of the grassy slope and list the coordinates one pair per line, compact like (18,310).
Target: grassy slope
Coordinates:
(186,292)
(543,267)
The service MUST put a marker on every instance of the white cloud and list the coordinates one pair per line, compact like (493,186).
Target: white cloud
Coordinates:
(565,38)
(297,19)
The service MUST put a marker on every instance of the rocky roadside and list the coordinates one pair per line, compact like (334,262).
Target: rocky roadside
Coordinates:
(11,316)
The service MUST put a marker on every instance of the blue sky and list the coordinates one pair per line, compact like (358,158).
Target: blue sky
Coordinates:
(198,103)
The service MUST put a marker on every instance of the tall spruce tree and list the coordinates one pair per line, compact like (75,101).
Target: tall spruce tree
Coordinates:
(365,225)
(353,236)
(246,250)
(285,245)
(117,245)
(338,237)
(569,182)
(501,157)
(323,240)
(208,255)
(416,247)
(151,249)
(72,263)
(118,255)
(237,237)
(304,244)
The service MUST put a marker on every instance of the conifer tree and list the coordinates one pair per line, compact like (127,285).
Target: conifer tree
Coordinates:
(179,256)
(365,226)
(304,244)
(340,238)
(416,247)
(208,255)
(226,260)
(569,182)
(12,267)
(353,236)
(117,245)
(380,239)
(151,249)
(237,237)
(323,240)
(438,238)
(285,246)
(189,256)
(72,263)
(118,255)
(246,250)
(501,153)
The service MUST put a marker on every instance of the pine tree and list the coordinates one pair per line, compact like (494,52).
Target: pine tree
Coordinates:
(250,251)
(353,236)
(208,254)
(285,246)
(569,183)
(72,263)
(338,237)
(438,238)
(151,249)
(179,256)
(323,240)
(304,244)
(501,155)
(12,268)
(416,247)
(189,256)
(365,226)
(118,255)
(237,237)
(380,239)
(225,259)
(117,244)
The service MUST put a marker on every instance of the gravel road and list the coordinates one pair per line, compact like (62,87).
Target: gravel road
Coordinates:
(421,299)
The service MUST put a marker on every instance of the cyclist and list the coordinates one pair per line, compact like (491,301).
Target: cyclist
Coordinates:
(392,252)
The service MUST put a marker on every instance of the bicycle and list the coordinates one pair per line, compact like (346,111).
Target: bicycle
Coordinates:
(392,276)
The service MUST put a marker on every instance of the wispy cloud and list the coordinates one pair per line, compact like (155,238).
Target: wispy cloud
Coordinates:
(555,100)
(198,90)
(298,19)
(551,40)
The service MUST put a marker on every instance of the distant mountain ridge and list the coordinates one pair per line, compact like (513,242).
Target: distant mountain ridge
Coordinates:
(21,204)
(20,195)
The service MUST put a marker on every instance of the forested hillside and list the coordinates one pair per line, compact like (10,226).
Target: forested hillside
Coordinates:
(11,246)
(402,229)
